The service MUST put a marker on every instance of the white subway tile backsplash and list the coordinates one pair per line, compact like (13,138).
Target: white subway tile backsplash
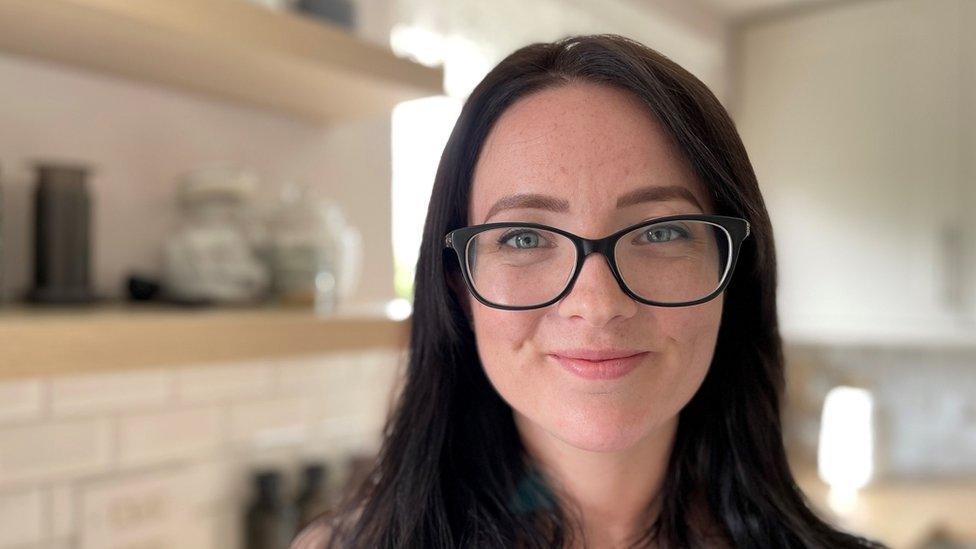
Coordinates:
(336,429)
(379,369)
(200,533)
(164,457)
(213,483)
(224,382)
(20,400)
(61,512)
(369,396)
(144,510)
(94,393)
(179,434)
(49,544)
(306,376)
(228,530)
(269,423)
(333,401)
(21,518)
(48,451)
(310,374)
(211,490)
(357,443)
(359,373)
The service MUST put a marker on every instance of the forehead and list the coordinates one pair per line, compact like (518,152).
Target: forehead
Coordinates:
(583,143)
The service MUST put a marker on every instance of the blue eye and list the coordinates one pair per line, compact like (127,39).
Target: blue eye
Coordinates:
(663,234)
(522,239)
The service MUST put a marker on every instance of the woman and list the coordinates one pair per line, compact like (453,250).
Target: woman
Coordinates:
(585,370)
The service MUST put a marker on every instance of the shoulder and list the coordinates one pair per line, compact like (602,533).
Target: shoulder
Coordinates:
(314,536)
(320,531)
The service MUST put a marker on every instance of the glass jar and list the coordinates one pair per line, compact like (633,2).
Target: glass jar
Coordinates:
(305,250)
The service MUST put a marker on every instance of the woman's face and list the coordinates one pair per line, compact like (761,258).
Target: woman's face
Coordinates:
(587,145)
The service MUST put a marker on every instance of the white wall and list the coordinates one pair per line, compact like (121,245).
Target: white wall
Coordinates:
(853,116)
(693,37)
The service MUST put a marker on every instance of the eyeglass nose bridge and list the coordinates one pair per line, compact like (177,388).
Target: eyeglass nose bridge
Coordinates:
(605,247)
(600,245)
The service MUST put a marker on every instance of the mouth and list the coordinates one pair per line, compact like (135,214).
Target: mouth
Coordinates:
(599,365)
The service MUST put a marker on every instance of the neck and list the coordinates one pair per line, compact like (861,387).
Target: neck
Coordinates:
(615,493)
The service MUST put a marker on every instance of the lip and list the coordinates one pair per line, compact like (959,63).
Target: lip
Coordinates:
(596,354)
(597,364)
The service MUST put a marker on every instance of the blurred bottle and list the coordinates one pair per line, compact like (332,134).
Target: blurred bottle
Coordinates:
(62,222)
(271,521)
(313,499)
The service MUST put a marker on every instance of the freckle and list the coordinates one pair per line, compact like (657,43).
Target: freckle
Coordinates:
(563,170)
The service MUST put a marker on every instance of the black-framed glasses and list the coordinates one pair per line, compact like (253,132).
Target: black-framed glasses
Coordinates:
(672,261)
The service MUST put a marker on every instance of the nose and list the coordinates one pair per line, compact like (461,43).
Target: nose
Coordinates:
(596,296)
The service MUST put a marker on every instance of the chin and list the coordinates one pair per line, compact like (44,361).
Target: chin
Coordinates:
(596,442)
(599,435)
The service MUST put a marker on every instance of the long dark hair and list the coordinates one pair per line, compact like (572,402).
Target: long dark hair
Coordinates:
(452,470)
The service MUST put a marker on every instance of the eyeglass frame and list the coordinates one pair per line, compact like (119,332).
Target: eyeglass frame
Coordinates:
(737,228)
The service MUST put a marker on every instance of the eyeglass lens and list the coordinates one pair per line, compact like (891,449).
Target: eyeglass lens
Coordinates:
(670,262)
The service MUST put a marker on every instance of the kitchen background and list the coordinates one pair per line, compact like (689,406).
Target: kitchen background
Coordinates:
(210,211)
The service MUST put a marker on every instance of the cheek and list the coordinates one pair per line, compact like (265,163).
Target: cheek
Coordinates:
(689,336)
(505,347)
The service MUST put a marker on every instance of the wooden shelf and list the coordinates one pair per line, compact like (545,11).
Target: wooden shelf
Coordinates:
(43,342)
(229,49)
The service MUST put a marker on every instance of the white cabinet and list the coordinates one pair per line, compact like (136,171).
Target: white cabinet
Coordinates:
(858,120)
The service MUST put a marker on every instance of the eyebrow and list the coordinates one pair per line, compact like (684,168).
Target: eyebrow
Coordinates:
(651,193)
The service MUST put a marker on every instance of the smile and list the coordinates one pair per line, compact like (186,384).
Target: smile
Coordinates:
(611,367)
